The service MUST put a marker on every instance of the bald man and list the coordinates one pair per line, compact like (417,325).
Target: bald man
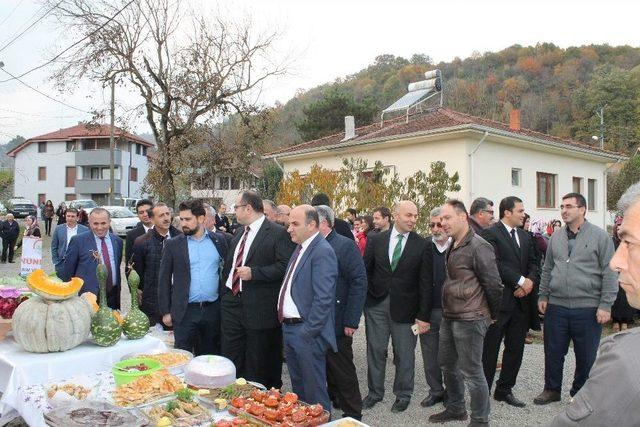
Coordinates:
(398,303)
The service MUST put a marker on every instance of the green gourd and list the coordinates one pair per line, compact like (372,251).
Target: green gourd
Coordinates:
(105,328)
(136,323)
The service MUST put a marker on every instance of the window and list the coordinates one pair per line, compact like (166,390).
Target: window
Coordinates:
(577,185)
(106,173)
(591,194)
(42,173)
(144,150)
(133,175)
(516,177)
(69,197)
(235,184)
(370,177)
(223,183)
(138,148)
(546,189)
(71,146)
(42,147)
(70,176)
(95,173)
(41,198)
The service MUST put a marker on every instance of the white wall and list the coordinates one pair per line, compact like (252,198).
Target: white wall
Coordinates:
(130,158)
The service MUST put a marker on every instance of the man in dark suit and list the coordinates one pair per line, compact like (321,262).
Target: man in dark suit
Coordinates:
(351,292)
(251,279)
(145,224)
(188,282)
(9,231)
(341,226)
(147,253)
(399,299)
(518,268)
(62,235)
(306,307)
(222,221)
(80,262)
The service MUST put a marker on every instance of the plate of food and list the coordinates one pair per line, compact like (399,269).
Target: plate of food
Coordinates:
(174,360)
(147,389)
(92,413)
(180,410)
(221,396)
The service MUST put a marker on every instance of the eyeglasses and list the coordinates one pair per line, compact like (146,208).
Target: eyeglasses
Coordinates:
(235,208)
(435,224)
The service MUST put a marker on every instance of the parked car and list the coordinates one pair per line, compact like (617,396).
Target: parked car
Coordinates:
(3,209)
(87,204)
(122,219)
(22,208)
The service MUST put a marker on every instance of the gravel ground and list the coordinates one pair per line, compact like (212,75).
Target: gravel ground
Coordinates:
(530,381)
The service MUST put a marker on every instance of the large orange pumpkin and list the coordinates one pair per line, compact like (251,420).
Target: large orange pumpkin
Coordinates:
(51,289)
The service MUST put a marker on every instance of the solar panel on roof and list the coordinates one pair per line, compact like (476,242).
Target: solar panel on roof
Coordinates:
(408,100)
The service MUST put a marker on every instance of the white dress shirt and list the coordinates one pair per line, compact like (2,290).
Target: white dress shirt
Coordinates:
(521,280)
(146,228)
(393,241)
(289,309)
(254,227)
(71,232)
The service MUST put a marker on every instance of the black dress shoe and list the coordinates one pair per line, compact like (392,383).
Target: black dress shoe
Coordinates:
(400,405)
(509,399)
(447,415)
(369,402)
(547,396)
(431,400)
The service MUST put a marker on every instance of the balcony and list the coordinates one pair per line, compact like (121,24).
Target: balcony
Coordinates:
(95,186)
(97,157)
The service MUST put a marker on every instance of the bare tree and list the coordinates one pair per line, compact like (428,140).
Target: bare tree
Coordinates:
(186,68)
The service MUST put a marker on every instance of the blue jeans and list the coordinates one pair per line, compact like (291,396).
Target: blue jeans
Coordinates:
(562,325)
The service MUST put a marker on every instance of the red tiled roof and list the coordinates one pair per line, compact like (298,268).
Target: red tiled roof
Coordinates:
(79,131)
(438,118)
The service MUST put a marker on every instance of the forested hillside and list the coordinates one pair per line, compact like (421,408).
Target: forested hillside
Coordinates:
(558,91)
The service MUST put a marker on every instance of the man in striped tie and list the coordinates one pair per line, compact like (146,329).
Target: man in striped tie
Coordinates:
(251,279)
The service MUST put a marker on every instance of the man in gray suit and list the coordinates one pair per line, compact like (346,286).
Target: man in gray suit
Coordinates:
(62,236)
(611,395)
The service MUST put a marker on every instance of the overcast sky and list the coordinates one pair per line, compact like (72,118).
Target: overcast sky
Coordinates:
(327,38)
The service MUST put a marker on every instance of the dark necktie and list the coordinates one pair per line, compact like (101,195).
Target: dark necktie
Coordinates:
(107,262)
(235,280)
(513,237)
(285,284)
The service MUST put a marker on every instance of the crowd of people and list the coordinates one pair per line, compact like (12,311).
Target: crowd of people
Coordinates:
(281,283)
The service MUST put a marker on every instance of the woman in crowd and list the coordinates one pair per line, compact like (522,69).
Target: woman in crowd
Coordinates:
(621,311)
(527,222)
(61,213)
(366,226)
(31,229)
(49,212)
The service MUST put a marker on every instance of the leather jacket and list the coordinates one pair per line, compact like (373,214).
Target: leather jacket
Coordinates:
(472,289)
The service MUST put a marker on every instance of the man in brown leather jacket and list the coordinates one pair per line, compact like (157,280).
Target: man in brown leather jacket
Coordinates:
(471,297)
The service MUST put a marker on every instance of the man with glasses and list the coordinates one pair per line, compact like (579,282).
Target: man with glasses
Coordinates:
(436,252)
(145,224)
(480,214)
(577,290)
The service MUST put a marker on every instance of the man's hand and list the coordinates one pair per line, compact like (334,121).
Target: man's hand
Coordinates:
(519,293)
(423,327)
(244,273)
(349,331)
(166,319)
(527,286)
(603,316)
(223,228)
(542,306)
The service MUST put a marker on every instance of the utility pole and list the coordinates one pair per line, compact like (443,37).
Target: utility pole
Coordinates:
(600,114)
(112,144)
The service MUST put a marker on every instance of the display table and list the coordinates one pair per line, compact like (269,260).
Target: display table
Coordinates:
(21,369)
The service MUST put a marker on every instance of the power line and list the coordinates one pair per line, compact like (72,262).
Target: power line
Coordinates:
(11,13)
(72,45)
(44,94)
(29,27)
(47,116)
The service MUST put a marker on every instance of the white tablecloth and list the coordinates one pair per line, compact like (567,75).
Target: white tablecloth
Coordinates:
(19,368)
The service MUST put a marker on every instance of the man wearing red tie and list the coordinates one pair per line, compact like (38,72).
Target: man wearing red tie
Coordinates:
(251,278)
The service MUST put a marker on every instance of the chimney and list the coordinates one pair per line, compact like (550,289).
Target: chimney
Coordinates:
(514,119)
(349,128)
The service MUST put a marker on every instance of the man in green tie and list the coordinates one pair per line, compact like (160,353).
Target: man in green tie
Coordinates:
(398,302)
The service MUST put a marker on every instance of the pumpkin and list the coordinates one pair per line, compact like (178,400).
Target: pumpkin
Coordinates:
(43,326)
(93,301)
(105,328)
(136,323)
(52,288)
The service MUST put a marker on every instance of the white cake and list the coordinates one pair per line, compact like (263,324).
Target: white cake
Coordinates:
(210,372)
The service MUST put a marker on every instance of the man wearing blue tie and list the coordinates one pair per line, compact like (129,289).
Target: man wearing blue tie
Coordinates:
(306,307)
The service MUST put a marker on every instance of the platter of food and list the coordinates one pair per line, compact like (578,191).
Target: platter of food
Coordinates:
(92,413)
(180,410)
(147,389)
(173,360)
(221,396)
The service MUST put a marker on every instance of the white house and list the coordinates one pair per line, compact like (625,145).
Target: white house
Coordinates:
(493,159)
(226,189)
(73,163)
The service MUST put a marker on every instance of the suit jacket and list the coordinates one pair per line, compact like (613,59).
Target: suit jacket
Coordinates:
(268,257)
(59,242)
(341,227)
(513,262)
(174,277)
(351,287)
(222,221)
(313,288)
(79,262)
(9,231)
(410,286)
(132,235)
